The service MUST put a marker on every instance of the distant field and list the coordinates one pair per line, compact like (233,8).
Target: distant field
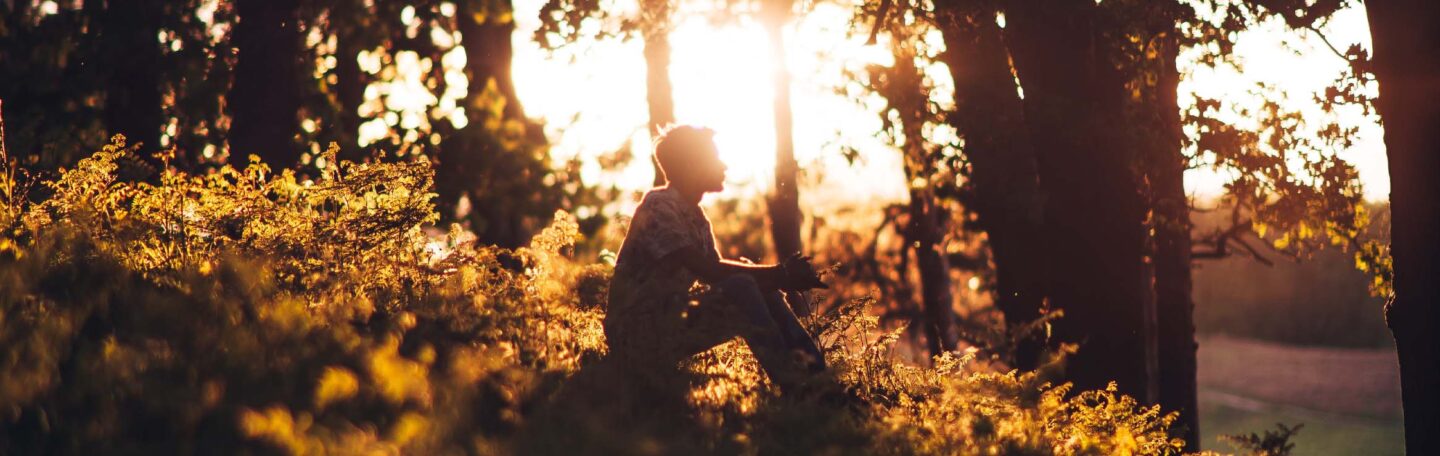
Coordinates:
(1348,399)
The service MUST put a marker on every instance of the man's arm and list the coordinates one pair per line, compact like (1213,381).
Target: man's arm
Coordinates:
(768,276)
(796,274)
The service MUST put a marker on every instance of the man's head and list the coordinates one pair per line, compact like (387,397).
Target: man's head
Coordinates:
(689,159)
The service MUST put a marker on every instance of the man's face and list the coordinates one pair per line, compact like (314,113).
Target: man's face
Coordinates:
(708,172)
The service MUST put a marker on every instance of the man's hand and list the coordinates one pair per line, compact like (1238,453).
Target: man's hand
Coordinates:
(799,275)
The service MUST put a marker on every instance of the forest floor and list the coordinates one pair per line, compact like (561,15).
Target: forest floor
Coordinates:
(1348,399)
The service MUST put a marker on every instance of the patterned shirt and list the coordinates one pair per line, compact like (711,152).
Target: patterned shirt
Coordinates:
(645,279)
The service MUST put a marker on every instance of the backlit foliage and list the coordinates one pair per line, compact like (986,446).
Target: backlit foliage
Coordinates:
(248,310)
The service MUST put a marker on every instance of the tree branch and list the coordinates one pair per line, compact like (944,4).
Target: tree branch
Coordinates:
(1328,44)
(1220,244)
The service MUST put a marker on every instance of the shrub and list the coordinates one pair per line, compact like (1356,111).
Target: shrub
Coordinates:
(249,311)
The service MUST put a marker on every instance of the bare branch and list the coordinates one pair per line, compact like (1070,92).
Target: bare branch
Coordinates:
(1254,253)
(1326,40)
(1220,242)
(879,21)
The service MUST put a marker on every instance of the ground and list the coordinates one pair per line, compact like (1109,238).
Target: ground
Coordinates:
(1348,399)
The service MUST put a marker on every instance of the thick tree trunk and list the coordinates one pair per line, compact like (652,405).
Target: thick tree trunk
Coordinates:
(1407,64)
(265,97)
(1170,220)
(1094,216)
(489,52)
(129,40)
(784,203)
(472,162)
(989,115)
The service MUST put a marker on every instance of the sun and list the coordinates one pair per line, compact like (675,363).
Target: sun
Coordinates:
(593,98)
(723,79)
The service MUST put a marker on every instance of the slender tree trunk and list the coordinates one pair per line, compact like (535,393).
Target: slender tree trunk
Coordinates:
(350,80)
(927,221)
(129,41)
(659,93)
(350,85)
(784,204)
(265,96)
(903,89)
(1407,65)
(1170,220)
(4,154)
(989,115)
(1094,216)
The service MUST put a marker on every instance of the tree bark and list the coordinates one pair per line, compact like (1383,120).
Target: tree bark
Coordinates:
(989,116)
(490,52)
(265,97)
(926,228)
(928,222)
(1407,65)
(1170,220)
(1093,216)
(784,203)
(659,93)
(474,164)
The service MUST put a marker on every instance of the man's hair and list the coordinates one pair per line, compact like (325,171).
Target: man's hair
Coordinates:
(677,144)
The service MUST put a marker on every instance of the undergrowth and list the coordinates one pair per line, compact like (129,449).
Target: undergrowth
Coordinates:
(247,311)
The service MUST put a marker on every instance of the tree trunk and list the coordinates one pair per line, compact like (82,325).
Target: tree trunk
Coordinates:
(784,204)
(1093,216)
(1170,220)
(659,94)
(350,80)
(4,154)
(265,96)
(1407,66)
(989,115)
(489,52)
(925,232)
(474,163)
(133,106)
(927,225)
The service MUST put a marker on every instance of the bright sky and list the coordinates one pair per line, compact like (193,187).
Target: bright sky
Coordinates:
(1300,65)
(592,96)
(721,76)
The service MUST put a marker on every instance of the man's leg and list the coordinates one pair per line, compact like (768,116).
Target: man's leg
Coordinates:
(796,339)
(761,331)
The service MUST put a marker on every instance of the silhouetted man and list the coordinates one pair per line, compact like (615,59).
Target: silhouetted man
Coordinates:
(657,316)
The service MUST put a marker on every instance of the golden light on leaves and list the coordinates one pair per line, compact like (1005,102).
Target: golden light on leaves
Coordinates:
(336,384)
(398,379)
(296,272)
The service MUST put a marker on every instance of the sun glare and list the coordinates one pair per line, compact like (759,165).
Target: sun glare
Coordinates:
(592,96)
(723,80)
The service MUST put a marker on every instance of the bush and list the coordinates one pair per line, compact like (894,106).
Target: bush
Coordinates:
(245,311)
